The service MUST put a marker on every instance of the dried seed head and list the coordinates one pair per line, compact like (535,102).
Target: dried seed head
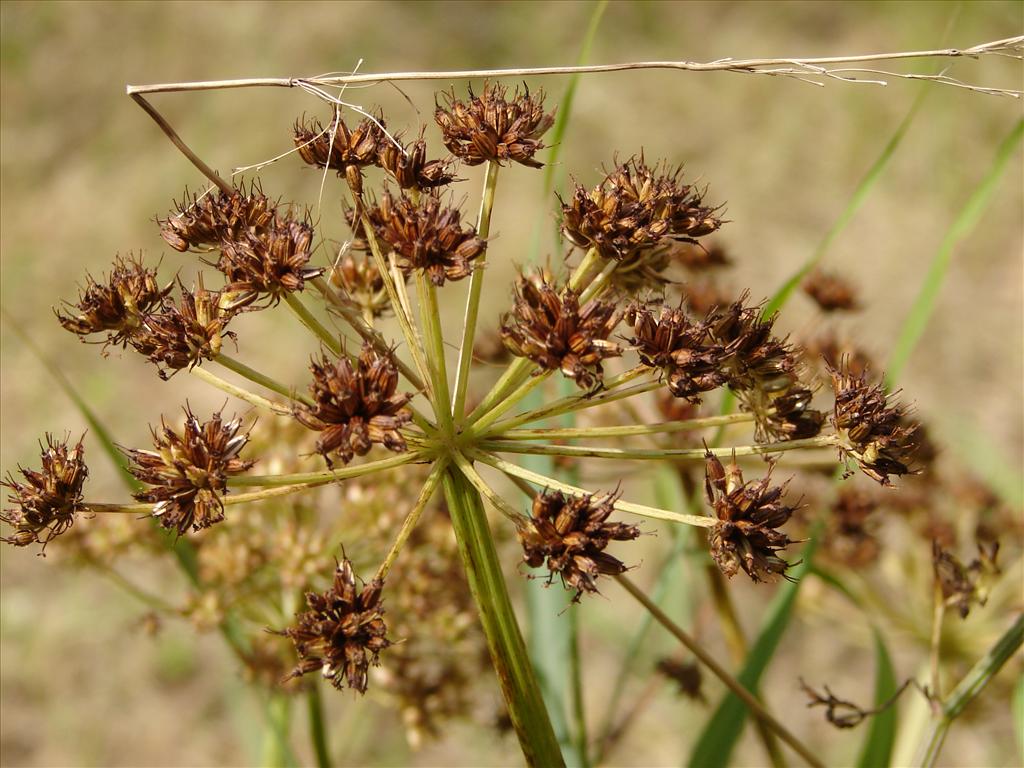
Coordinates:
(704,296)
(182,335)
(356,406)
(552,329)
(850,539)
(205,221)
(690,361)
(350,151)
(686,676)
(570,533)
(342,633)
(877,435)
(426,236)
(695,257)
(48,500)
(492,127)
(269,263)
(117,306)
(409,167)
(358,276)
(634,209)
(831,349)
(964,586)
(831,292)
(748,516)
(187,473)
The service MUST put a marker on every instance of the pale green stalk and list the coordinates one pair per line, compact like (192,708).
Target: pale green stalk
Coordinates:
(431,318)
(317,731)
(329,475)
(510,401)
(427,492)
(263,380)
(242,394)
(476,282)
(508,510)
(583,433)
(309,320)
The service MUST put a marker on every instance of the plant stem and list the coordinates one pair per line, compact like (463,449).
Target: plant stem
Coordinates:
(637,454)
(329,475)
(508,510)
(258,378)
(506,383)
(586,271)
(968,689)
(935,655)
(430,317)
(720,672)
(624,506)
(309,320)
(598,284)
(433,480)
(279,724)
(508,652)
(476,282)
(570,433)
(317,732)
(236,391)
(509,401)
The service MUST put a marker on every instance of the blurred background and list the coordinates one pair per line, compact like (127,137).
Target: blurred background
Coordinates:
(84,173)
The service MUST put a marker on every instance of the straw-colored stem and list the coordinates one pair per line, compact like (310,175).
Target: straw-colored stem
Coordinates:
(598,284)
(587,433)
(507,509)
(262,379)
(585,272)
(476,282)
(637,454)
(543,481)
(315,326)
(330,475)
(409,524)
(241,393)
(720,672)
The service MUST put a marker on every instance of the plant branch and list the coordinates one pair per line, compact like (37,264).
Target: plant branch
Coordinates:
(330,475)
(586,433)
(429,486)
(263,380)
(242,394)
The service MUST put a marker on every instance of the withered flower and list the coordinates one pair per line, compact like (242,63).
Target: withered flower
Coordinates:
(116,306)
(205,221)
(964,586)
(850,539)
(492,127)
(271,263)
(831,292)
(686,676)
(360,279)
(409,167)
(48,500)
(188,472)
(350,151)
(877,435)
(426,236)
(555,332)
(680,348)
(697,257)
(571,533)
(634,209)
(356,406)
(342,633)
(182,335)
(749,515)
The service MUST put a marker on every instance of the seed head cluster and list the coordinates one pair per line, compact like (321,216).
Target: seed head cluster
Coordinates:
(340,148)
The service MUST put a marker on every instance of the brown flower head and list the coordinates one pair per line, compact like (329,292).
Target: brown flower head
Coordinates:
(696,257)
(117,306)
(686,676)
(831,292)
(570,533)
(492,127)
(552,329)
(342,633)
(681,348)
(357,275)
(340,148)
(268,263)
(356,406)
(749,515)
(850,539)
(205,221)
(48,500)
(876,434)
(182,335)
(409,167)
(426,236)
(188,473)
(964,586)
(634,209)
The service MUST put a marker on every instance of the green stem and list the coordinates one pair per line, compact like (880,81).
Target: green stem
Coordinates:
(719,671)
(239,392)
(510,379)
(508,652)
(317,732)
(509,401)
(597,285)
(430,317)
(476,282)
(328,475)
(433,480)
(263,380)
(309,320)
(584,433)
(637,454)
(968,689)
(276,750)
(585,272)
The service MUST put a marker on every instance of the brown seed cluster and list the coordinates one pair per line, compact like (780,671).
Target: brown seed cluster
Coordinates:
(409,167)
(494,127)
(115,307)
(965,586)
(550,328)
(876,434)
(187,473)
(47,502)
(358,277)
(356,406)
(850,539)
(340,148)
(342,633)
(426,236)
(831,292)
(570,534)
(634,209)
(749,514)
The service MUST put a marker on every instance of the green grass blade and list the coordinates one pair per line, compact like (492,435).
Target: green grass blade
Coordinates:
(924,305)
(878,745)
(722,732)
(860,194)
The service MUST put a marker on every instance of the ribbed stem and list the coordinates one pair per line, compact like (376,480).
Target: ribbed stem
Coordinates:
(317,731)
(505,641)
